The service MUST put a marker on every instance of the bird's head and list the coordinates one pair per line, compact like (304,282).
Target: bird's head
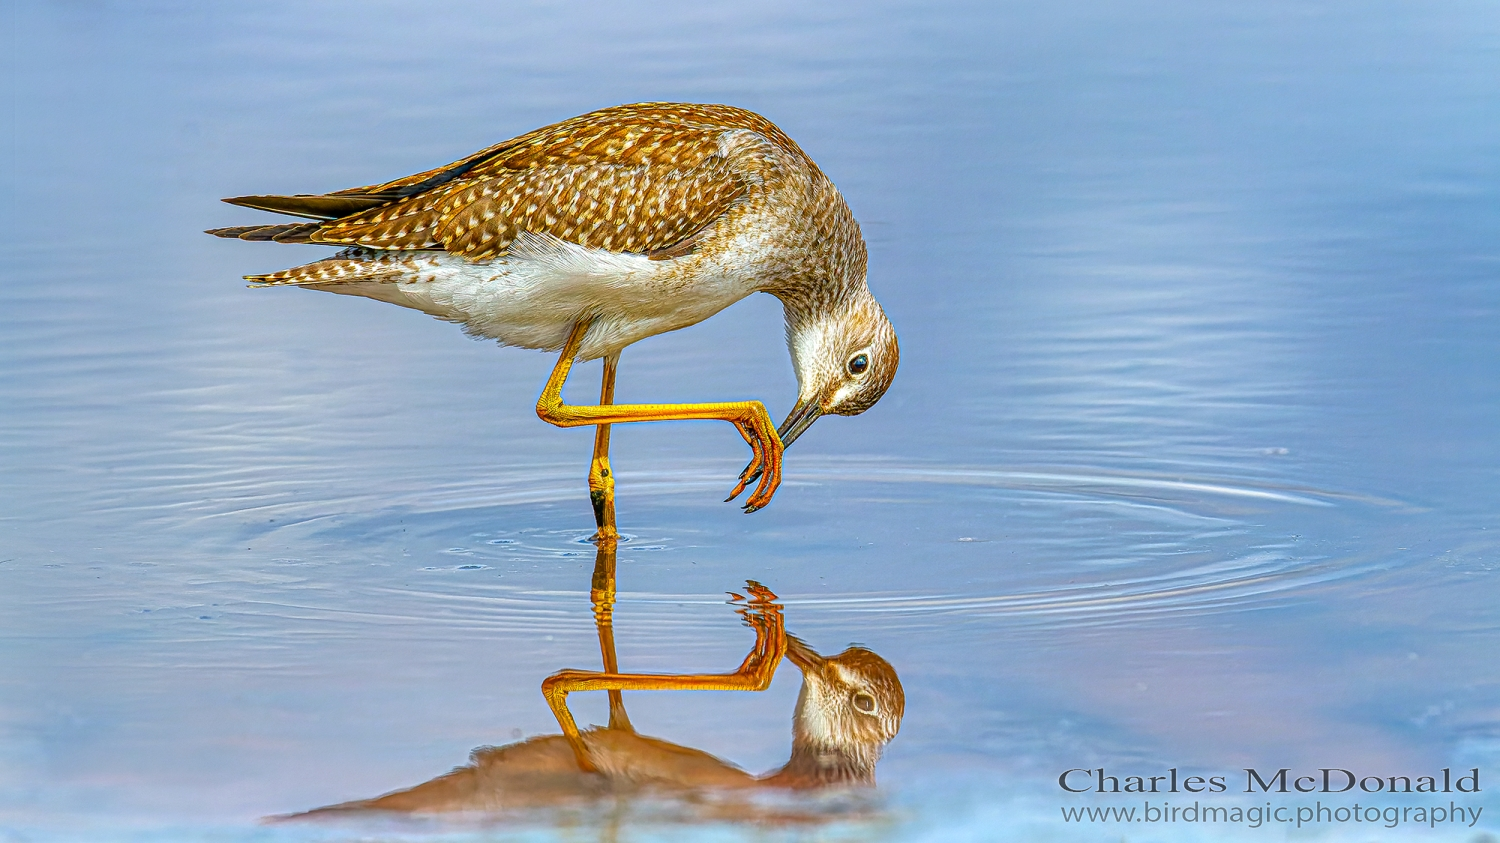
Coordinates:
(850,707)
(845,359)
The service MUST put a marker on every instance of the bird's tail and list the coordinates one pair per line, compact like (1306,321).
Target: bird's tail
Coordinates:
(348,266)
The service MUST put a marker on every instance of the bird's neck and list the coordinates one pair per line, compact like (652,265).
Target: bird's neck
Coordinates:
(806,304)
(814,764)
(807,308)
(824,261)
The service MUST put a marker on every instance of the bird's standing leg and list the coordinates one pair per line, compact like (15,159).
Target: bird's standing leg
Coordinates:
(760,612)
(601,479)
(602,596)
(749,417)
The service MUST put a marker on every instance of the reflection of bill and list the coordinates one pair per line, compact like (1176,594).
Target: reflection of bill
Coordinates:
(849,708)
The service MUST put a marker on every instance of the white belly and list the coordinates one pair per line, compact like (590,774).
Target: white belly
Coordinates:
(534,296)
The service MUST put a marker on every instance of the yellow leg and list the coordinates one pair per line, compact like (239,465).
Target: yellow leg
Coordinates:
(749,417)
(760,612)
(602,595)
(601,479)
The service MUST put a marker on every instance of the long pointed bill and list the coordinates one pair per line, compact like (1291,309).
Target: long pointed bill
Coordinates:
(799,419)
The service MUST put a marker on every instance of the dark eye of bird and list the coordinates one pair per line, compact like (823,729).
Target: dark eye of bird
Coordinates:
(858,363)
(864,702)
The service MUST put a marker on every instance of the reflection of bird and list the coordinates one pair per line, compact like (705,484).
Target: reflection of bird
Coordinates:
(598,231)
(850,707)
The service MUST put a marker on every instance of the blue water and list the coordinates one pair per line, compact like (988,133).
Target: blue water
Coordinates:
(1192,460)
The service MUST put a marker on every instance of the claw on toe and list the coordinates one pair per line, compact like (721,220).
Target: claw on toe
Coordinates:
(768,473)
(752,473)
(764,469)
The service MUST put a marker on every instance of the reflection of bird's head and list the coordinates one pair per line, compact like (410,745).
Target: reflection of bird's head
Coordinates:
(849,709)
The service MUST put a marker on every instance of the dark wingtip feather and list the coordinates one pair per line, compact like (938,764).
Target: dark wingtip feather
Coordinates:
(232,231)
(311,206)
(295,232)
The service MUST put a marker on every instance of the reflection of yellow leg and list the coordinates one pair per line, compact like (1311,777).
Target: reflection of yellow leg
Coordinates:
(749,417)
(602,595)
(754,674)
(601,479)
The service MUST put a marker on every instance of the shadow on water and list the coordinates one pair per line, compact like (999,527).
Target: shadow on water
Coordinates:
(849,707)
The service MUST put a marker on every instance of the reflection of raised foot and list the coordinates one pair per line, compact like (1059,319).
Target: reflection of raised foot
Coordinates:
(760,612)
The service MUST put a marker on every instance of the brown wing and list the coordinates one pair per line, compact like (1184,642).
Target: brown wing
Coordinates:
(559,141)
(672,185)
(640,178)
(618,208)
(635,178)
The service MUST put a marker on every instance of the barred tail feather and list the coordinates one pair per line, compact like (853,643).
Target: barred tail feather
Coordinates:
(342,268)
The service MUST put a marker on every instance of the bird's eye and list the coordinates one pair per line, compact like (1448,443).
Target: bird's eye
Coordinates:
(859,363)
(864,702)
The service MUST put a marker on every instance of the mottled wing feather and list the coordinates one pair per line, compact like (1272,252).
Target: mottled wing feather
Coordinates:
(555,140)
(644,178)
(619,186)
(632,179)
(408,223)
(419,182)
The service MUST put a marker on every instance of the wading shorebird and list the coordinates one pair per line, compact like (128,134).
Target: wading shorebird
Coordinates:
(588,235)
(849,708)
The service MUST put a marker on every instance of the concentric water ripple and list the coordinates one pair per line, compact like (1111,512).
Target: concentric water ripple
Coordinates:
(1069,546)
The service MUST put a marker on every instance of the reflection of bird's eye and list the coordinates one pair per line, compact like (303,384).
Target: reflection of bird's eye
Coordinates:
(864,702)
(858,363)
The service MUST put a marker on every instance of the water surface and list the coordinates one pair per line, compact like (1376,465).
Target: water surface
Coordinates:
(1191,461)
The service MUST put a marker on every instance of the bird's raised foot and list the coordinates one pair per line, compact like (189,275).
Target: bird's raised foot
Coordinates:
(765,466)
